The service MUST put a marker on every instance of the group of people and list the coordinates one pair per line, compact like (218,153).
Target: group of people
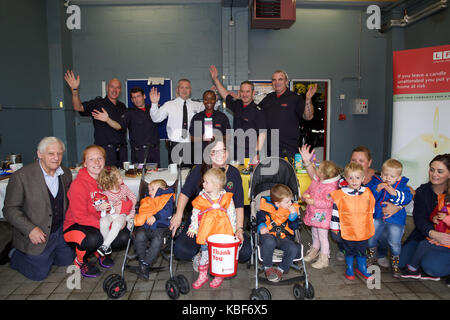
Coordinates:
(366,215)
(111,119)
(57,221)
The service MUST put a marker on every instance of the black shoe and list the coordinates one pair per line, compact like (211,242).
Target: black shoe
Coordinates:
(88,270)
(144,271)
(425,276)
(447,281)
(106,262)
(408,274)
(102,250)
(4,255)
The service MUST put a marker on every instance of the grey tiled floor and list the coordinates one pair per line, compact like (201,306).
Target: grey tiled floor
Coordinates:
(329,283)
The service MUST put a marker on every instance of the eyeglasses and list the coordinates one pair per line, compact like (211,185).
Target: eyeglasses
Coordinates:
(218,152)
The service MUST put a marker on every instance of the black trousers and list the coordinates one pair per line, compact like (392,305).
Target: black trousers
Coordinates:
(138,154)
(115,154)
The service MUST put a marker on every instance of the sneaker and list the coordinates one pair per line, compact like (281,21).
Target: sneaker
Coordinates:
(409,274)
(340,256)
(106,262)
(87,270)
(425,276)
(383,262)
(144,271)
(271,275)
(102,250)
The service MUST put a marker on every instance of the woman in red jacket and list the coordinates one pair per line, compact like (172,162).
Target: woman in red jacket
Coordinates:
(82,222)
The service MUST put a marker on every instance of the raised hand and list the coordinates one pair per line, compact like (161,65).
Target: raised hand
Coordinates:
(214,73)
(306,154)
(154,95)
(72,81)
(100,115)
(311,91)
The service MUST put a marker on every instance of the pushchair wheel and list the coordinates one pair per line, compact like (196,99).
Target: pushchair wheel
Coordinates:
(264,293)
(183,284)
(109,279)
(299,292)
(260,294)
(255,295)
(309,292)
(117,288)
(172,289)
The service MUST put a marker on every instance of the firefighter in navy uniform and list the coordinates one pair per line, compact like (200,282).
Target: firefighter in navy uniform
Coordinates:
(108,118)
(284,111)
(246,115)
(142,131)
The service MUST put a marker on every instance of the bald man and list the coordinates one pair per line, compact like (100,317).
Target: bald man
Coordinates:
(108,116)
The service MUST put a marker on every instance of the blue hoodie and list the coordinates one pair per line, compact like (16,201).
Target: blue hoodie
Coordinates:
(165,214)
(403,197)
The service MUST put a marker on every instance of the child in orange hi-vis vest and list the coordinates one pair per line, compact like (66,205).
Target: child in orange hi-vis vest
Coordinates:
(152,222)
(353,210)
(277,220)
(213,213)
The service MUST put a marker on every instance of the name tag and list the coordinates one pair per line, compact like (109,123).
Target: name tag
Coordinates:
(284,105)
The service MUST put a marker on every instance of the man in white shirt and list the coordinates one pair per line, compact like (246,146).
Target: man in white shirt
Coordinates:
(178,116)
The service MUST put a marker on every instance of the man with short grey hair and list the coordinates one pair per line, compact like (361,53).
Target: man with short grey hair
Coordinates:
(35,205)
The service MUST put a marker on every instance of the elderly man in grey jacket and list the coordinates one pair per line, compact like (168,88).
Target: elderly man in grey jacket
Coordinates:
(35,205)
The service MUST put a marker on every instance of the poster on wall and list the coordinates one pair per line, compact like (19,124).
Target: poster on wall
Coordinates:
(262,88)
(421,110)
(315,131)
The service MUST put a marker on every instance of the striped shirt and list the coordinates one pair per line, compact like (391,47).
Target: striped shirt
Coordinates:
(124,194)
(335,221)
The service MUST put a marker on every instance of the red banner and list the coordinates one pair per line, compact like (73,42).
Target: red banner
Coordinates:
(423,70)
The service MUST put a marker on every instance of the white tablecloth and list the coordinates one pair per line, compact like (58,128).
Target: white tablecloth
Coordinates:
(132,183)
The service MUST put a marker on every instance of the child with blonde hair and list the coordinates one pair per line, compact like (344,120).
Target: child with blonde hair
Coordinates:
(119,208)
(213,213)
(276,221)
(391,187)
(152,220)
(352,215)
(319,207)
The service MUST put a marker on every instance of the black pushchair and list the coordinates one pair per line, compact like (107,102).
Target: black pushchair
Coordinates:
(267,173)
(115,285)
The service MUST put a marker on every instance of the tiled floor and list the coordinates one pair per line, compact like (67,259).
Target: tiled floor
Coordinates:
(329,283)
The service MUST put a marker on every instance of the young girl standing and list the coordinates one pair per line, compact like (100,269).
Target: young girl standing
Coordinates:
(319,208)
(213,213)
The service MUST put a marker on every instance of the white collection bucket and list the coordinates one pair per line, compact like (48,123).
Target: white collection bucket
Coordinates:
(223,254)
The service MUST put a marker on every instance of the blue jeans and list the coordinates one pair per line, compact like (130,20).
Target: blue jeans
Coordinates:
(390,232)
(434,260)
(268,243)
(37,268)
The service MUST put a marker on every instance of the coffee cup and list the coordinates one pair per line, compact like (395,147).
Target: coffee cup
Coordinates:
(173,168)
(126,165)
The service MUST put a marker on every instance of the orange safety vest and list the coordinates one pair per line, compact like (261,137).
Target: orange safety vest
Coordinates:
(213,217)
(276,218)
(355,214)
(150,206)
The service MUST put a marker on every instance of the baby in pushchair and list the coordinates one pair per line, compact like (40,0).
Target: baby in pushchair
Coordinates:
(276,220)
(153,221)
(275,228)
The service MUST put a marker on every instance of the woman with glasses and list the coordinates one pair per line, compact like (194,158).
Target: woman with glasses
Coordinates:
(186,247)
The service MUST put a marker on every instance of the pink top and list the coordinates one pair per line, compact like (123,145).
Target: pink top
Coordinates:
(124,194)
(319,214)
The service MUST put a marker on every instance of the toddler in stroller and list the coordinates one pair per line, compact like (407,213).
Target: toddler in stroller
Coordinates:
(275,223)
